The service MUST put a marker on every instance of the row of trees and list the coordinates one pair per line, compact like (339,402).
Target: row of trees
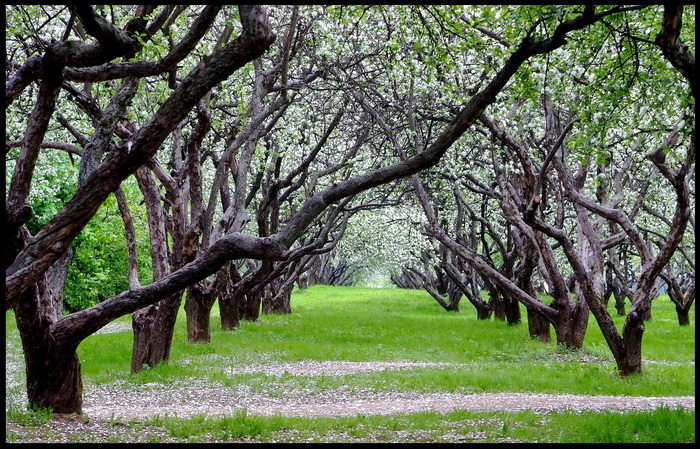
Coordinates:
(248,138)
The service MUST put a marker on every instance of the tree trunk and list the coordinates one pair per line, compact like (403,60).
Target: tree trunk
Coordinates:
(619,301)
(683,314)
(497,305)
(249,308)
(269,294)
(230,298)
(511,308)
(57,276)
(538,327)
(629,357)
(153,332)
(303,281)
(54,379)
(279,302)
(198,306)
(571,325)
(229,303)
(455,295)
(682,295)
(483,312)
(52,366)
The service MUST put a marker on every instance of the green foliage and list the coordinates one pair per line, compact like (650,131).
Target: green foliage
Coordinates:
(54,183)
(100,261)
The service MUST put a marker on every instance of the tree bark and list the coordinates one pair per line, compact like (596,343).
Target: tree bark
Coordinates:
(683,315)
(278,298)
(249,309)
(538,327)
(511,309)
(498,306)
(229,305)
(198,306)
(230,298)
(620,297)
(52,365)
(153,332)
(54,379)
(629,354)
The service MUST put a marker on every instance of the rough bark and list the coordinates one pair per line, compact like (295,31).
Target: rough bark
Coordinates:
(483,309)
(153,332)
(198,306)
(249,309)
(230,298)
(48,244)
(52,366)
(130,234)
(277,299)
(153,326)
(511,309)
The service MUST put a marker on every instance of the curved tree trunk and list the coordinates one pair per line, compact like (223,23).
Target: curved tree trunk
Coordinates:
(681,294)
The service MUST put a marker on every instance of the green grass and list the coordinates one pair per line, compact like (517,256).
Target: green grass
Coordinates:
(662,425)
(364,324)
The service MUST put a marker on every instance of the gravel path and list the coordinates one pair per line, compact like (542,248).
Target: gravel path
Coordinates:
(196,397)
(106,403)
